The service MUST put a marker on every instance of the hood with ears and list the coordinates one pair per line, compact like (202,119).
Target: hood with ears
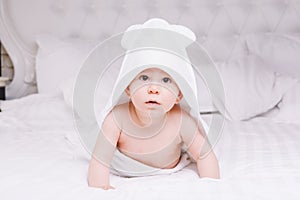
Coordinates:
(157,44)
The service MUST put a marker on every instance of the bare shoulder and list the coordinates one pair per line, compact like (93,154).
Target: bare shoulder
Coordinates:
(176,110)
(189,126)
(109,121)
(118,114)
(121,108)
(111,117)
(186,117)
(109,126)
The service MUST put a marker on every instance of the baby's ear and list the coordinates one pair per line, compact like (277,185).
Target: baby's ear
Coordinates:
(127,91)
(179,97)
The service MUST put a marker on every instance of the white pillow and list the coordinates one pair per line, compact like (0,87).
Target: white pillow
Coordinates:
(57,60)
(280,52)
(289,107)
(250,88)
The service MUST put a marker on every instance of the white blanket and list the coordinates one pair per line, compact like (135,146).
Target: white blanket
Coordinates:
(41,159)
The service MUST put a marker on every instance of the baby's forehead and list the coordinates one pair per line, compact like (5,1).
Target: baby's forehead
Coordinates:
(155,71)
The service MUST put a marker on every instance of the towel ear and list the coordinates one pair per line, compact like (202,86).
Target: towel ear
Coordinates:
(153,33)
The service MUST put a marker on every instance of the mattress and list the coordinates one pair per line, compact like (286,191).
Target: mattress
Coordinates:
(41,158)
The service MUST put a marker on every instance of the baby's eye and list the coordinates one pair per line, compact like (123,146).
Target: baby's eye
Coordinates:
(166,80)
(143,77)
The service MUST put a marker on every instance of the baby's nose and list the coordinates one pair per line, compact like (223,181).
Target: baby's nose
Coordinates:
(153,89)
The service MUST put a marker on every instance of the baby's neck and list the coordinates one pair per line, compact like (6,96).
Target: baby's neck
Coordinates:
(148,118)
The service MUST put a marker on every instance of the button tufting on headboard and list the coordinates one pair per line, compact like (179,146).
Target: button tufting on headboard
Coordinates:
(219,25)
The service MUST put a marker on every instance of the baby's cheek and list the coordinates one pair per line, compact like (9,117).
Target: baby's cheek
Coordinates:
(172,89)
(138,90)
(169,100)
(138,97)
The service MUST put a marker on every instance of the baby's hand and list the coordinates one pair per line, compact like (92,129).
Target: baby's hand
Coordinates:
(106,187)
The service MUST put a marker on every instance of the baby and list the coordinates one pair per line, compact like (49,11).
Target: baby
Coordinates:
(151,129)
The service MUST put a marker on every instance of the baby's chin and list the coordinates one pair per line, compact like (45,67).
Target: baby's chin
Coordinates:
(156,112)
(153,109)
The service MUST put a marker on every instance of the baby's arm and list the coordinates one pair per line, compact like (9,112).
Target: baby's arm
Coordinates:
(98,174)
(199,148)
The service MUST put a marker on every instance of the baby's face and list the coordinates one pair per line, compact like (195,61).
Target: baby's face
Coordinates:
(153,89)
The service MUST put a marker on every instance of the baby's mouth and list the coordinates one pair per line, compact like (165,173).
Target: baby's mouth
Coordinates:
(152,102)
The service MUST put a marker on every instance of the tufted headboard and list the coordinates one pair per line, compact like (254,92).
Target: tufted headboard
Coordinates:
(219,25)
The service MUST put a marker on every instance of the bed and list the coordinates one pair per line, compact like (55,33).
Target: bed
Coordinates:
(255,53)
(258,159)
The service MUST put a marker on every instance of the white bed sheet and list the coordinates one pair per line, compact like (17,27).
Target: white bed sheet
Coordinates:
(258,159)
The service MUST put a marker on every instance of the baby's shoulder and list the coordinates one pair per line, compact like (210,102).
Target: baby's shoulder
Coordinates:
(177,110)
(120,109)
(186,120)
(119,113)
(188,123)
